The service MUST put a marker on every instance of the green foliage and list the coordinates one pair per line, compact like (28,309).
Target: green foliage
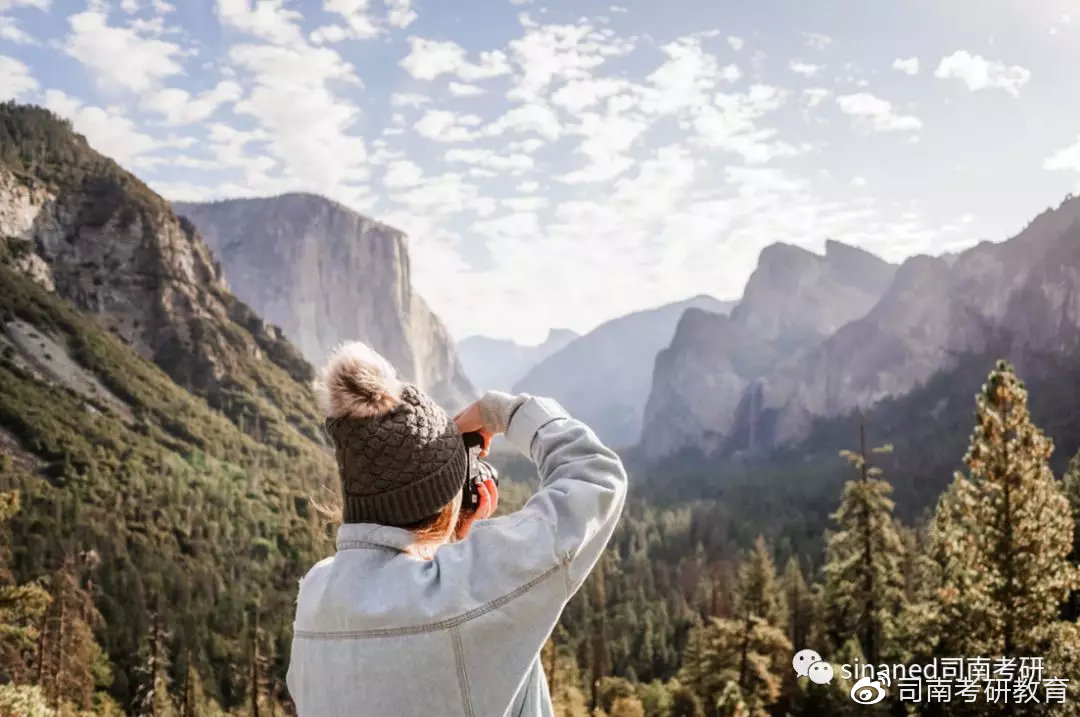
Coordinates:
(24,701)
(171,498)
(864,583)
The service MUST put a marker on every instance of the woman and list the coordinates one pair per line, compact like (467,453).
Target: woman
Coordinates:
(426,609)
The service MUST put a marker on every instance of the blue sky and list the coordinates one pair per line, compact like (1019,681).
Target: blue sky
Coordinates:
(559,163)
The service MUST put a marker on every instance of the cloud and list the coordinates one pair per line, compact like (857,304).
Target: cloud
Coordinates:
(581,94)
(909,66)
(355,15)
(814,96)
(1067,158)
(110,132)
(877,113)
(178,106)
(537,118)
(408,99)
(119,57)
(400,13)
(981,74)
(445,126)
(12,4)
(402,173)
(489,159)
(730,124)
(806,69)
(268,20)
(548,53)
(858,182)
(307,127)
(18,81)
(685,79)
(735,42)
(816,40)
(428,59)
(459,89)
(9,30)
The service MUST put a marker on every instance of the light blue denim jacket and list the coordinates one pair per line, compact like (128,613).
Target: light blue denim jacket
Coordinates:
(379,632)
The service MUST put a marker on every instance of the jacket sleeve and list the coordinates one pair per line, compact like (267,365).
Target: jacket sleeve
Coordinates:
(583,483)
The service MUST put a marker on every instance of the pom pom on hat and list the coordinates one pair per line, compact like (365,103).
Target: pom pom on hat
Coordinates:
(357,382)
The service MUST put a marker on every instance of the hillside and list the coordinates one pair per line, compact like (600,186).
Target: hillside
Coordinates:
(326,274)
(161,436)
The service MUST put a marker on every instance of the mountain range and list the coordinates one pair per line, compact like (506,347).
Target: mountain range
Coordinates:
(500,363)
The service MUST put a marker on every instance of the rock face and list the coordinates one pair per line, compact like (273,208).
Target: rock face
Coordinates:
(499,364)
(80,225)
(1018,299)
(326,274)
(706,379)
(603,377)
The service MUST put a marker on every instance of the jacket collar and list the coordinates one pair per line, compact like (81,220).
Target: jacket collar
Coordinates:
(368,535)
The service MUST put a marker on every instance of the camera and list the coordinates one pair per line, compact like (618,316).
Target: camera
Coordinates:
(479,471)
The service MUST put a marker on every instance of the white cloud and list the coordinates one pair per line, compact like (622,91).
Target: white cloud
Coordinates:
(547,53)
(445,126)
(402,173)
(459,89)
(578,95)
(308,128)
(1067,158)
(617,8)
(735,42)
(909,66)
(110,132)
(814,96)
(527,118)
(267,19)
(355,15)
(428,59)
(980,74)
(18,81)
(408,99)
(400,13)
(685,79)
(859,182)
(489,159)
(162,7)
(877,113)
(806,69)
(10,30)
(729,124)
(178,106)
(11,4)
(528,187)
(816,40)
(119,57)
(329,34)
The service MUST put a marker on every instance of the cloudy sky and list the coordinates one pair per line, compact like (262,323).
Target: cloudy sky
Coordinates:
(561,162)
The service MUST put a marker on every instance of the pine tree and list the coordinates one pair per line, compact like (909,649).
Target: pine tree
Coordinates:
(152,698)
(864,583)
(600,658)
(748,650)
(1071,485)
(1002,533)
(22,607)
(799,604)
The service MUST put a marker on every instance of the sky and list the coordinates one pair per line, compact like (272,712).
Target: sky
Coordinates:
(558,163)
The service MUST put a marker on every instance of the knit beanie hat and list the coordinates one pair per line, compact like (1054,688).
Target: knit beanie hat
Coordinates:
(401,459)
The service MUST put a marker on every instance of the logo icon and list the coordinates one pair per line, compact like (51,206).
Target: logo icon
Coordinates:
(867,691)
(808,663)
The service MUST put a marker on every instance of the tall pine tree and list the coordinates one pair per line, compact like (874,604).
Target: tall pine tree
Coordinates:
(1002,534)
(864,582)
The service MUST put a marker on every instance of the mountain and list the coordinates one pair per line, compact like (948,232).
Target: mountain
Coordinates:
(326,274)
(793,300)
(1017,297)
(499,364)
(163,438)
(603,377)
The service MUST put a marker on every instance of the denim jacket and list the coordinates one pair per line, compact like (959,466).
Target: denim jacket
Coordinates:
(379,632)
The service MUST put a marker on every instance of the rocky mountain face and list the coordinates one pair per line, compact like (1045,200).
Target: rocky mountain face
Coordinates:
(603,377)
(326,274)
(706,378)
(1018,299)
(82,226)
(499,363)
